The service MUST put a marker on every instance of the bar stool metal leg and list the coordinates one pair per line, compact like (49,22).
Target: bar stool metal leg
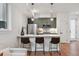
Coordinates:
(50,49)
(29,51)
(43,49)
(50,45)
(35,48)
(59,52)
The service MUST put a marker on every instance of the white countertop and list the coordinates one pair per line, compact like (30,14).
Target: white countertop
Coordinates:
(45,35)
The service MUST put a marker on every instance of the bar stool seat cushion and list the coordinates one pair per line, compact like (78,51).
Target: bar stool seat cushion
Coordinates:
(39,40)
(55,41)
(25,40)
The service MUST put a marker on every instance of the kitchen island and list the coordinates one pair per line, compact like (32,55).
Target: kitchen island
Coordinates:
(47,39)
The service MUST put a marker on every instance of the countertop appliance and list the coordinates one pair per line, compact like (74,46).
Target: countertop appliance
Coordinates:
(32,28)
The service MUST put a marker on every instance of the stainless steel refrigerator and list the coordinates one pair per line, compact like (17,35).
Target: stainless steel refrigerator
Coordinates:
(32,29)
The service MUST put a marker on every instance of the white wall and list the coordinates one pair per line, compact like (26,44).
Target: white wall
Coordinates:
(63,26)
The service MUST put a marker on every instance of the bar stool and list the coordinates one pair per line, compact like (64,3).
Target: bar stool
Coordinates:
(26,42)
(39,40)
(54,41)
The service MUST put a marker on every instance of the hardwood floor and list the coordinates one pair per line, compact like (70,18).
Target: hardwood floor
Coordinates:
(67,49)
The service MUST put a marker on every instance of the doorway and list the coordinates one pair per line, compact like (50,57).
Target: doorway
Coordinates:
(73,29)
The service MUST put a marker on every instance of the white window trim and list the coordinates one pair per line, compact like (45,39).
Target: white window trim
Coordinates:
(9,27)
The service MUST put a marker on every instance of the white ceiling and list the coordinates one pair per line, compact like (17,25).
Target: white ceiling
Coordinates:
(44,8)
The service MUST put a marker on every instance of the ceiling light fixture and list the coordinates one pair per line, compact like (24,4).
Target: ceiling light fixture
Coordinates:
(51,12)
(33,11)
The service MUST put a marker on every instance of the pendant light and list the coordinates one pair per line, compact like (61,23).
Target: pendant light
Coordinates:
(51,19)
(32,12)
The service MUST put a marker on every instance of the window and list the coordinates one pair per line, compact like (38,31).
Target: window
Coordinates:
(3,16)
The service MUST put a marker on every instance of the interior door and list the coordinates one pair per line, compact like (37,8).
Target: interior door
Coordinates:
(73,29)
